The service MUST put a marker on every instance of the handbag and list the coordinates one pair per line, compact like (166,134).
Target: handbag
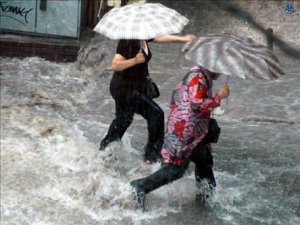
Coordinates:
(213,132)
(152,90)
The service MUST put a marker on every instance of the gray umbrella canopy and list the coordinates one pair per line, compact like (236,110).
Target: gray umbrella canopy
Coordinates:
(234,56)
(140,21)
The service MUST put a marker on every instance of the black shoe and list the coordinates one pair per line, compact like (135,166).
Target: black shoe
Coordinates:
(105,142)
(201,198)
(139,196)
(205,196)
(151,153)
(151,158)
(102,146)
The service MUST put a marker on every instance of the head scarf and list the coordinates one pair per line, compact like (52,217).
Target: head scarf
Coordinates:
(207,74)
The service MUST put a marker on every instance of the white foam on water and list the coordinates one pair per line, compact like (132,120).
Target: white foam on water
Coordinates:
(52,119)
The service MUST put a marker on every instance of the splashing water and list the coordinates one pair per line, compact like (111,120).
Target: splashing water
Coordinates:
(54,115)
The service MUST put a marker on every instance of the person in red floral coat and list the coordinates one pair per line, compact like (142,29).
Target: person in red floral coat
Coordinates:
(187,126)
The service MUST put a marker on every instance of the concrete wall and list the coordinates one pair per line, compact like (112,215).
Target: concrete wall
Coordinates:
(61,18)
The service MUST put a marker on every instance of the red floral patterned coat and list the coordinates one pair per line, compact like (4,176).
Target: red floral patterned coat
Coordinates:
(190,109)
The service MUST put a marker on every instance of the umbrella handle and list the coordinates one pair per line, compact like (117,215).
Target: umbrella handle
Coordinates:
(186,47)
(227,80)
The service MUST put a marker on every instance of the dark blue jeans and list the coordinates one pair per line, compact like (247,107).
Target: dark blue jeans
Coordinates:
(126,107)
(201,156)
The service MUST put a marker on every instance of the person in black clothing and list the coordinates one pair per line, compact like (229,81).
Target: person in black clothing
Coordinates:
(124,2)
(128,88)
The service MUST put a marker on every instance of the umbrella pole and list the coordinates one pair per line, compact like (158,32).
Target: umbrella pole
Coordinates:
(100,7)
(227,99)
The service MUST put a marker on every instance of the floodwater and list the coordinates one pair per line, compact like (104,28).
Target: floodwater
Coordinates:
(54,115)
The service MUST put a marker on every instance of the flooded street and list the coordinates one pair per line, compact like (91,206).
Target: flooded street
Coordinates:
(53,116)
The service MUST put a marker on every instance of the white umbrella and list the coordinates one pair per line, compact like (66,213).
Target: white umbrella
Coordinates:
(234,56)
(140,21)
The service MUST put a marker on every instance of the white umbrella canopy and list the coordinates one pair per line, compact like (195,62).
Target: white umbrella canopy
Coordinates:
(140,21)
(234,56)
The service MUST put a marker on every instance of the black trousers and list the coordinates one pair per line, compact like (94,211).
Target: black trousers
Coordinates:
(201,156)
(126,107)
(124,2)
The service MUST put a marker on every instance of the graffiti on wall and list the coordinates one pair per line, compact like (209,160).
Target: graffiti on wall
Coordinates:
(14,12)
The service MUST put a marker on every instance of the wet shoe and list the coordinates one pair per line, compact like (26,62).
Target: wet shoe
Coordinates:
(150,159)
(139,196)
(102,146)
(151,155)
(105,142)
(200,198)
(204,191)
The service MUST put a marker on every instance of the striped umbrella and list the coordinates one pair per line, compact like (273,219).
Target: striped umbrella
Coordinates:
(140,21)
(234,56)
